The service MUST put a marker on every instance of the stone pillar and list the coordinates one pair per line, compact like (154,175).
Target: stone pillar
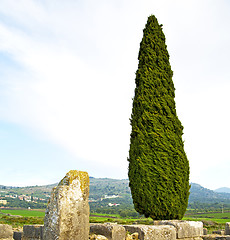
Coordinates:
(67,213)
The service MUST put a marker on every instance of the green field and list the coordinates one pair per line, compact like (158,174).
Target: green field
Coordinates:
(18,218)
(37,217)
(209,216)
(24,213)
(212,220)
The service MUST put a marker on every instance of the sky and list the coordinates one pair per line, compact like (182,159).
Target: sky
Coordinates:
(67,80)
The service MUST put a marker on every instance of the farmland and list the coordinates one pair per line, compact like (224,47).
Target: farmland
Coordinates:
(211,220)
(110,200)
(217,217)
(18,218)
(24,213)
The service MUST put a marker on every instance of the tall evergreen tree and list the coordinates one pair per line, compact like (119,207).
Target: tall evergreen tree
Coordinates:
(158,166)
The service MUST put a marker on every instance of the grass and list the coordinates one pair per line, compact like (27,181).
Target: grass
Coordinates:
(105,215)
(20,221)
(18,218)
(216,220)
(24,213)
(221,218)
(146,221)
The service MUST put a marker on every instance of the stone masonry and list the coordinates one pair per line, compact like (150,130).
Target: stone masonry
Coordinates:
(32,232)
(184,229)
(109,230)
(6,232)
(148,232)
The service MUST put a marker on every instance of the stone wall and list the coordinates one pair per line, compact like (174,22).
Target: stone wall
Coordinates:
(171,230)
(162,230)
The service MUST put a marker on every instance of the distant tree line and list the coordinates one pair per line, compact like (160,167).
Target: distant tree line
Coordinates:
(208,207)
(15,202)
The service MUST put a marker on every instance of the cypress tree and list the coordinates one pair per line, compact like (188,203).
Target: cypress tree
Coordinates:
(158,166)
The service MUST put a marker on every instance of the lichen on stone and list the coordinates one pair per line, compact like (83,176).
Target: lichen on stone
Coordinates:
(67,214)
(83,177)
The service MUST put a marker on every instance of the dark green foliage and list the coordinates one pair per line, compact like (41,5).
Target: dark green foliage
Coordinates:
(158,166)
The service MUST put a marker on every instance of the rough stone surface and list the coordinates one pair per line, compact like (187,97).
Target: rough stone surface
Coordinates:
(67,213)
(216,237)
(17,235)
(97,237)
(185,229)
(109,230)
(227,228)
(147,232)
(133,236)
(220,232)
(6,232)
(32,232)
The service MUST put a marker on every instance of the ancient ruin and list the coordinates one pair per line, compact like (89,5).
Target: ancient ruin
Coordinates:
(67,218)
(67,214)
(163,230)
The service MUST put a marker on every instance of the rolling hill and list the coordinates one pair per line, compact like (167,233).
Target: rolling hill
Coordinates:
(99,187)
(222,190)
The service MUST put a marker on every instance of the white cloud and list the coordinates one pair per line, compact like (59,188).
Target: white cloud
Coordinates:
(76,64)
(67,100)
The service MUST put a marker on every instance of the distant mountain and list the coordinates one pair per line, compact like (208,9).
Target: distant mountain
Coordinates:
(222,190)
(204,195)
(107,186)
(99,187)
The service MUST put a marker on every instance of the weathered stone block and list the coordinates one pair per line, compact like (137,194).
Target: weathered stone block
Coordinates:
(205,231)
(209,237)
(32,232)
(185,229)
(133,236)
(227,228)
(97,237)
(220,232)
(17,235)
(67,213)
(109,230)
(147,232)
(6,232)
